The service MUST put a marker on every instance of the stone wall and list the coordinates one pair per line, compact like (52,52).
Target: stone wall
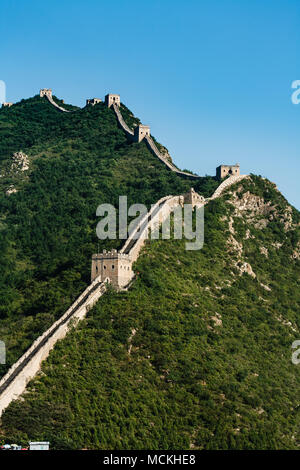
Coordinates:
(56,105)
(225,184)
(142,132)
(13,384)
(122,123)
(93,101)
(158,213)
(137,136)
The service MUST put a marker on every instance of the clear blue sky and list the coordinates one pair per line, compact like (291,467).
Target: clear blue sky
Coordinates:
(211,77)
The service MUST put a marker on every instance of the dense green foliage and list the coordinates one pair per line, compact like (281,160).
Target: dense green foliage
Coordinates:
(194,355)
(77,161)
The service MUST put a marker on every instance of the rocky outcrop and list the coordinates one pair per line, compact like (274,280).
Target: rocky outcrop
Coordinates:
(20,163)
(296,252)
(11,190)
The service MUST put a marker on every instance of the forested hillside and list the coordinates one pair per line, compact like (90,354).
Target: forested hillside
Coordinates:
(197,353)
(48,212)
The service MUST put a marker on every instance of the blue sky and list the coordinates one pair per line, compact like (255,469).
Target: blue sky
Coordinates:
(212,78)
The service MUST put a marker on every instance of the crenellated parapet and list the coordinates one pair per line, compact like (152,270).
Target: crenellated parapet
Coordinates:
(93,101)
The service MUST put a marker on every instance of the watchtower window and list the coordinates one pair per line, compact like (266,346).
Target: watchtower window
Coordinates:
(113,266)
(104,267)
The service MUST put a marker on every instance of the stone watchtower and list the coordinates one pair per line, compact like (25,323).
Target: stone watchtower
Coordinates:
(112,99)
(46,92)
(224,170)
(116,266)
(140,132)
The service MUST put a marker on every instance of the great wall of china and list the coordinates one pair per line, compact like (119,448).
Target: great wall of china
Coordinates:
(108,267)
(141,132)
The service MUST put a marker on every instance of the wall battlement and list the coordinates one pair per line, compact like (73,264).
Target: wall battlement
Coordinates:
(93,101)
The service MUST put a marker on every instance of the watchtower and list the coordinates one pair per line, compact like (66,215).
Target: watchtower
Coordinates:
(140,132)
(116,266)
(46,92)
(224,170)
(93,101)
(112,99)
(6,105)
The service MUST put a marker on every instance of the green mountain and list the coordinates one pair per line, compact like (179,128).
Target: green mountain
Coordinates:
(197,353)
(76,162)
